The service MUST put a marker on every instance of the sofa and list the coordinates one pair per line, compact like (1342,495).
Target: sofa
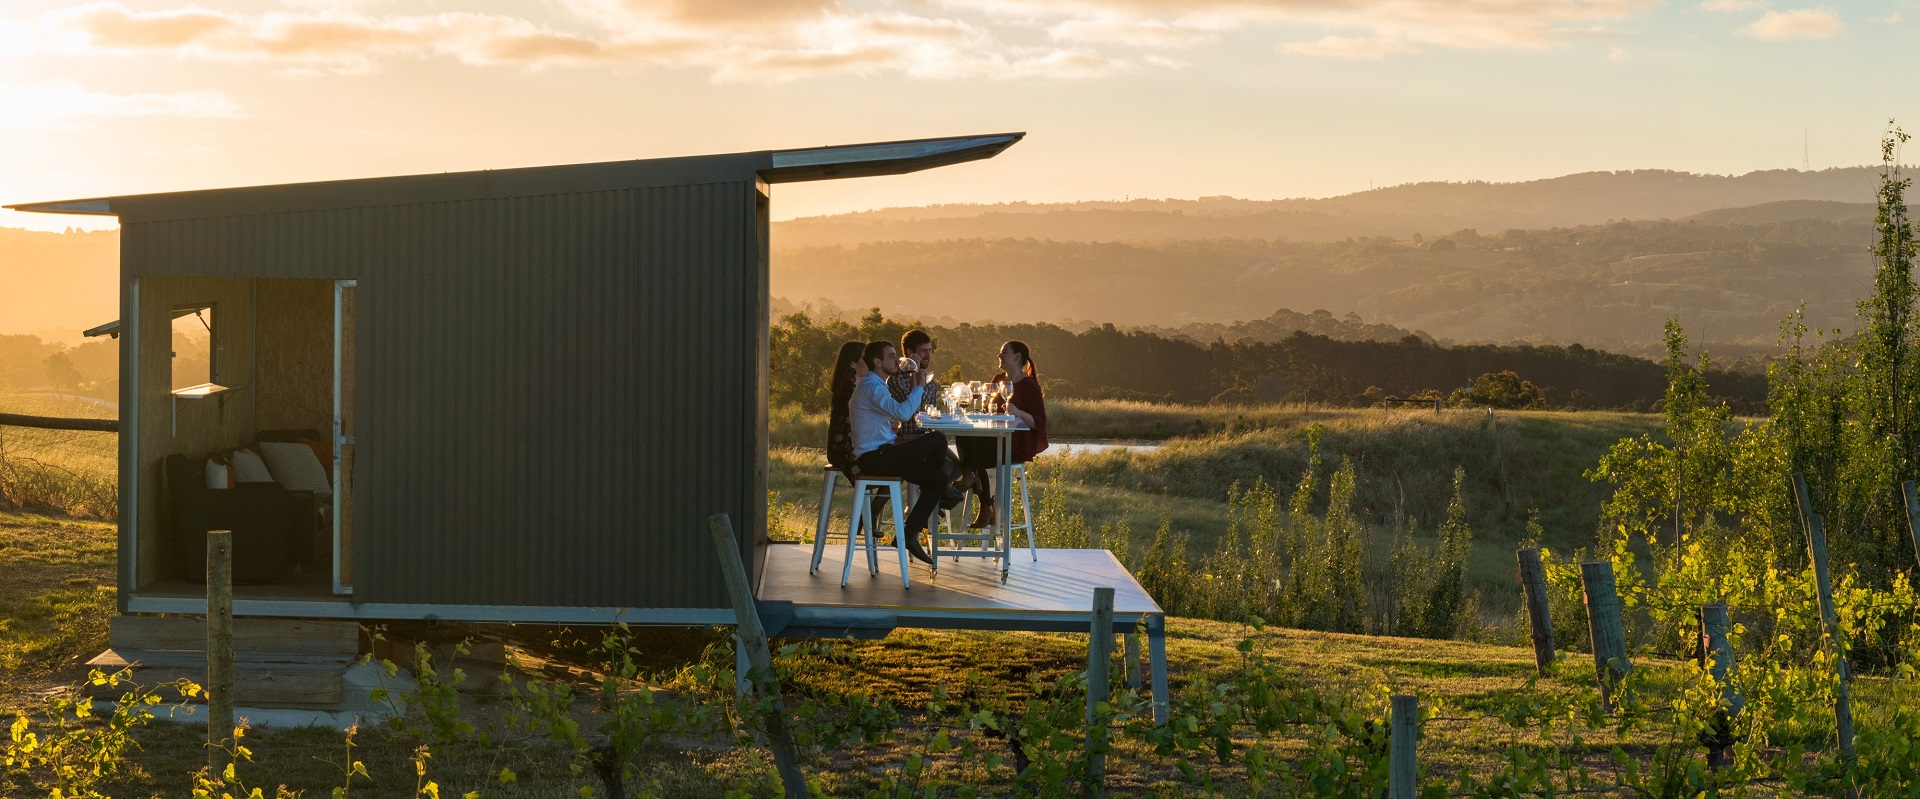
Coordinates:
(273,525)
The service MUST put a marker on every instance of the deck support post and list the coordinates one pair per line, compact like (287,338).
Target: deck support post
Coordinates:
(1131,642)
(753,638)
(1099,666)
(1157,657)
(219,652)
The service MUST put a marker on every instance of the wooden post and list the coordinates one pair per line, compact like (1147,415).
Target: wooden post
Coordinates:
(1802,502)
(753,638)
(1402,766)
(1716,655)
(1099,658)
(1533,583)
(1913,516)
(1603,622)
(1830,619)
(220,742)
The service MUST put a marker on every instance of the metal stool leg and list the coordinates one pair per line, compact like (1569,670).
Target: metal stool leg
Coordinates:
(828,478)
(900,533)
(862,513)
(1026,513)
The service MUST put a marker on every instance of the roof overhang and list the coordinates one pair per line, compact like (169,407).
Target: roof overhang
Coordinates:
(95,207)
(883,158)
(771,166)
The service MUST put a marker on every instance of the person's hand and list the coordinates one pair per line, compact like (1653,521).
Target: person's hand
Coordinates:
(925,377)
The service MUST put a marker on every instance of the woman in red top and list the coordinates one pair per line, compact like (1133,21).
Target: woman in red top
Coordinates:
(1029,405)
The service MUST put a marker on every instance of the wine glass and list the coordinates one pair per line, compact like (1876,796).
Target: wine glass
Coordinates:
(962,395)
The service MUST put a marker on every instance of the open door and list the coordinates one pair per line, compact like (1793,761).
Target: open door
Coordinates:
(343,363)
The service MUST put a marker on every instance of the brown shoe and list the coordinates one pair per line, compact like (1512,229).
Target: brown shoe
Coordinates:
(986,517)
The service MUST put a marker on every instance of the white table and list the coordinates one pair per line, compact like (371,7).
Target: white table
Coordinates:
(1001,430)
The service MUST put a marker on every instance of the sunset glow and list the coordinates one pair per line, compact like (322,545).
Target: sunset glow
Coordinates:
(1140,98)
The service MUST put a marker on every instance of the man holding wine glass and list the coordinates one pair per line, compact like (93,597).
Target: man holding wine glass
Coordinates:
(922,460)
(916,369)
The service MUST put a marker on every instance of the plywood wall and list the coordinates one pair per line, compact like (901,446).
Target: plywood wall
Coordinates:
(295,354)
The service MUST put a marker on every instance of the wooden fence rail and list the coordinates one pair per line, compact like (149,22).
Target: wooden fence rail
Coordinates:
(59,423)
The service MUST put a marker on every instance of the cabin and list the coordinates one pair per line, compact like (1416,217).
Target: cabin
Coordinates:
(500,396)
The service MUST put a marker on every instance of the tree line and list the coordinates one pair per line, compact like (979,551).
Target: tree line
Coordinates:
(1108,362)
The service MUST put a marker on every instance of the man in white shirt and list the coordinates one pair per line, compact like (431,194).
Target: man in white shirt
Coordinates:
(922,460)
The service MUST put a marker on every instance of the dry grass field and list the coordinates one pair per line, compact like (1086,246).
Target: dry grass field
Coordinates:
(67,471)
(58,597)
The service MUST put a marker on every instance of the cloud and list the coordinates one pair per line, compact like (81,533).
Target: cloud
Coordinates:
(1370,49)
(63,102)
(1805,23)
(1727,6)
(1140,33)
(1348,28)
(778,40)
(774,41)
(1617,54)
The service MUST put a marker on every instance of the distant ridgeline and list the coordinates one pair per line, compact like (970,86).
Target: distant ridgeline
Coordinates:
(1109,362)
(1612,286)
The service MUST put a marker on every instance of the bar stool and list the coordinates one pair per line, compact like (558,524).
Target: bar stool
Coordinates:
(863,522)
(830,481)
(830,478)
(1026,511)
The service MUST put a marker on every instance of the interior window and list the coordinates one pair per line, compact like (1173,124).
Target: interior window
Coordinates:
(193,346)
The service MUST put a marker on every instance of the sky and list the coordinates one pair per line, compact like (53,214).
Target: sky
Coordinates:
(1259,99)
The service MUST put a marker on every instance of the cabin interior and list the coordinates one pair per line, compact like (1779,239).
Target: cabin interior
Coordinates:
(221,364)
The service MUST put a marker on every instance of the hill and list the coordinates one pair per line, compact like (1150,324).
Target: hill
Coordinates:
(1588,198)
(1611,286)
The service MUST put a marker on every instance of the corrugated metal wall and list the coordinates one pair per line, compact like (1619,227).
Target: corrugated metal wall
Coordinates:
(553,392)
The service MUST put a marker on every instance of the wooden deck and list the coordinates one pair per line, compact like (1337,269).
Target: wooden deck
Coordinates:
(1060,582)
(1053,594)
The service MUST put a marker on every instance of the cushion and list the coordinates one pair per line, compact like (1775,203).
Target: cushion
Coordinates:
(218,475)
(322,451)
(295,467)
(248,468)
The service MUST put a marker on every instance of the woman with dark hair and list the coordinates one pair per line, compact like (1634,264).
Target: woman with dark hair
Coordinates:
(1029,405)
(848,370)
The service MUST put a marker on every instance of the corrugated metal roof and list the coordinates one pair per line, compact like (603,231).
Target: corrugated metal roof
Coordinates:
(772,166)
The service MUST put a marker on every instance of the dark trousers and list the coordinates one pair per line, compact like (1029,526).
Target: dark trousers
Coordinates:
(980,454)
(922,461)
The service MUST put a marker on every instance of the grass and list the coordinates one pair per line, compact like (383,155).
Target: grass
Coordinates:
(1516,463)
(46,637)
(69,471)
(57,601)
